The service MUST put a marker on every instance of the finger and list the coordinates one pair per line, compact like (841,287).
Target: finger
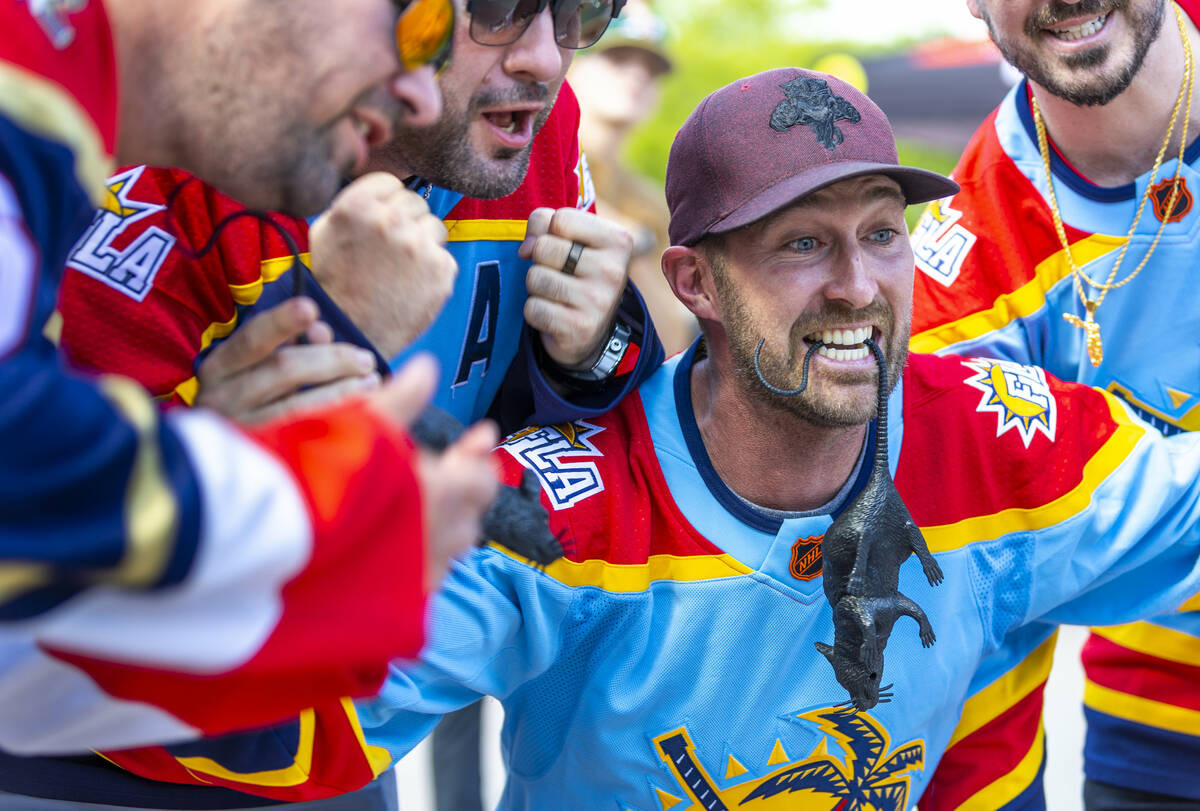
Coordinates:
(405,396)
(258,338)
(593,231)
(479,439)
(537,225)
(554,320)
(547,283)
(317,397)
(552,251)
(320,333)
(295,367)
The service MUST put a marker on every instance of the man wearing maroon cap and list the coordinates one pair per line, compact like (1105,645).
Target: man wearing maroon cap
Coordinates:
(679,656)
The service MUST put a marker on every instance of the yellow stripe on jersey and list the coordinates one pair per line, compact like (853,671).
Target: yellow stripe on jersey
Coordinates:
(245,295)
(485,230)
(378,757)
(635,577)
(1007,788)
(1025,300)
(151,509)
(42,107)
(1005,692)
(1154,640)
(269,270)
(1140,710)
(948,537)
(292,775)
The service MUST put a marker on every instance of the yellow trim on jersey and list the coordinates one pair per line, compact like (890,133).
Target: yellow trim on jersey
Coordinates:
(245,295)
(378,757)
(1115,450)
(1025,300)
(485,230)
(269,270)
(1154,640)
(1140,710)
(1008,787)
(188,389)
(635,577)
(43,108)
(1005,692)
(1191,604)
(151,509)
(292,775)
(18,578)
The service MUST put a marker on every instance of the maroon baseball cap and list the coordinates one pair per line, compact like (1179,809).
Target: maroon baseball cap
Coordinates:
(758,144)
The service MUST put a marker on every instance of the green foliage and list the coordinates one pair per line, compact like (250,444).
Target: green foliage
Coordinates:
(715,42)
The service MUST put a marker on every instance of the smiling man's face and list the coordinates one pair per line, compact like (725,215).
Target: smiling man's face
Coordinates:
(496,98)
(1085,52)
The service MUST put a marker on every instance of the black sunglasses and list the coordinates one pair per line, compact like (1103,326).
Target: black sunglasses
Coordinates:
(577,23)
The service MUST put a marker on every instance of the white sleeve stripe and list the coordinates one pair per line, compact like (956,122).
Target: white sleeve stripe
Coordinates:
(255,537)
(18,272)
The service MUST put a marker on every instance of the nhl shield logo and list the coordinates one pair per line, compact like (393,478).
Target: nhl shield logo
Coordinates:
(1160,193)
(806,558)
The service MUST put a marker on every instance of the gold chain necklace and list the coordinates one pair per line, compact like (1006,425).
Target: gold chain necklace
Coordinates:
(1088,324)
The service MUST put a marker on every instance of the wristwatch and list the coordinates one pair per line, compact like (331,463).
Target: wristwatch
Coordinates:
(604,367)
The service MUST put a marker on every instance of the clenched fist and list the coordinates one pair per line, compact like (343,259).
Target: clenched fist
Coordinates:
(574,312)
(380,254)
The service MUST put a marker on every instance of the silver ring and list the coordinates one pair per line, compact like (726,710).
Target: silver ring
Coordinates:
(573,258)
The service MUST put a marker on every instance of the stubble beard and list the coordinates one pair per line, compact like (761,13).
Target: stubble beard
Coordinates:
(1055,73)
(443,153)
(827,402)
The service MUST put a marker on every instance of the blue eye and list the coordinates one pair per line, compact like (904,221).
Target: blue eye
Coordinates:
(882,236)
(804,244)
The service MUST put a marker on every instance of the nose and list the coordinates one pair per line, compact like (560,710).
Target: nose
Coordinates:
(419,96)
(851,279)
(535,56)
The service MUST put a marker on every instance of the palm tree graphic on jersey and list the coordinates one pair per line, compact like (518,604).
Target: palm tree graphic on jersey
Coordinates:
(869,778)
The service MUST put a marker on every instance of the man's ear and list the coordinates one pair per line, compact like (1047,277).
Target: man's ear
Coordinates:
(690,276)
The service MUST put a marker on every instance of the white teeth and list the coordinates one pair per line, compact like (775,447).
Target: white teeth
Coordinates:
(1080,31)
(362,126)
(843,338)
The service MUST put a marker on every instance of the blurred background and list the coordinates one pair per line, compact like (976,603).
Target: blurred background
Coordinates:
(929,66)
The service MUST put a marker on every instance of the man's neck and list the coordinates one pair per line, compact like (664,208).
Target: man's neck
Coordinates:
(766,456)
(1115,143)
(140,37)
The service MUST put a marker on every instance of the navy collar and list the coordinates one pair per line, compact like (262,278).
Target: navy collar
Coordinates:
(1064,172)
(738,508)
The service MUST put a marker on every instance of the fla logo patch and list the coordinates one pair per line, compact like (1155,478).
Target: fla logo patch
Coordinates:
(806,558)
(868,775)
(940,243)
(131,269)
(544,449)
(1018,395)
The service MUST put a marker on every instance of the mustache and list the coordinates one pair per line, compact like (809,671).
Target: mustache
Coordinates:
(495,97)
(1056,11)
(835,315)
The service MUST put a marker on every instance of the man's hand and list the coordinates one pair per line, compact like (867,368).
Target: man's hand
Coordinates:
(257,374)
(380,254)
(574,313)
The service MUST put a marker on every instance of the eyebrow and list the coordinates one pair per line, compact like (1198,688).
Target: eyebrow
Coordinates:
(873,193)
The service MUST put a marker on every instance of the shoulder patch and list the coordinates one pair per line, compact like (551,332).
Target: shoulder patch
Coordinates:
(1018,395)
(130,269)
(543,450)
(940,243)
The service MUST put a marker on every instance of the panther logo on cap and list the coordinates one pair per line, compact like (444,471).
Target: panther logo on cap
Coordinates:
(812,103)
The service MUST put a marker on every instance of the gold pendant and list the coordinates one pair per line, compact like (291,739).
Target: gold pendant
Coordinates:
(1091,329)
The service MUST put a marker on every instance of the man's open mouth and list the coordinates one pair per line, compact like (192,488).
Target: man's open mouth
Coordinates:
(1084,29)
